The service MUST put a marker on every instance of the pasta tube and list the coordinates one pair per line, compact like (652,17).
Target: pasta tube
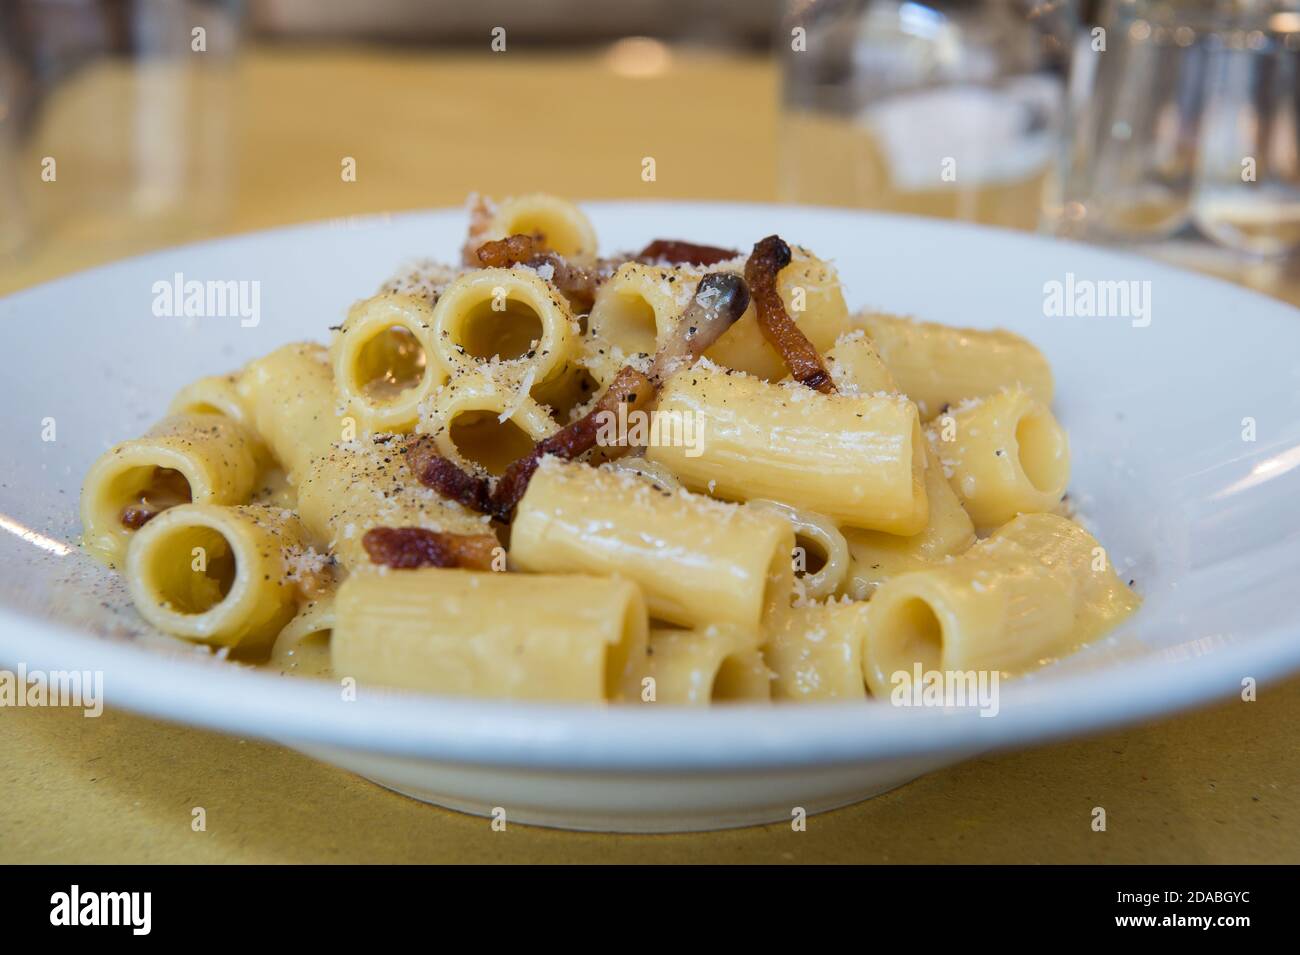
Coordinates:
(383,367)
(697,667)
(206,458)
(219,575)
(994,608)
(1035,589)
(815,652)
(743,678)
(294,408)
(219,394)
(637,307)
(874,556)
(858,459)
(697,561)
(939,366)
(1007,455)
(562,226)
(469,633)
(303,645)
(821,552)
(215,394)
(857,368)
(511,316)
(481,421)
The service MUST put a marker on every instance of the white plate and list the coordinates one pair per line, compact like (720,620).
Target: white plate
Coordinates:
(1207,523)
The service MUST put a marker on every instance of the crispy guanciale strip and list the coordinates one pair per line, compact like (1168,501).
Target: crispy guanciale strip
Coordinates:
(433,470)
(576,283)
(408,547)
(765,263)
(629,387)
(677,252)
(719,300)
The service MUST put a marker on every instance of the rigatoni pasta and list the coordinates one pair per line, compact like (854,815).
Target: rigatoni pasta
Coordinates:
(696,667)
(505,315)
(551,637)
(938,366)
(383,363)
(683,476)
(1033,591)
(203,458)
(859,459)
(220,575)
(485,421)
(696,560)
(1004,455)
(815,652)
(294,406)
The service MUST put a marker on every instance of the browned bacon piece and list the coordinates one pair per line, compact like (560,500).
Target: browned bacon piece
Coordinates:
(576,283)
(503,253)
(433,470)
(405,548)
(769,257)
(167,488)
(676,252)
(629,387)
(136,516)
(719,300)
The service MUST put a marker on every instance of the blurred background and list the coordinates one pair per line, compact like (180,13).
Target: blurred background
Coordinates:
(1166,127)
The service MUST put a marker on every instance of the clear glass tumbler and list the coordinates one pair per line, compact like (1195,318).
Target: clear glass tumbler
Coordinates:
(115,123)
(947,108)
(1137,96)
(1247,186)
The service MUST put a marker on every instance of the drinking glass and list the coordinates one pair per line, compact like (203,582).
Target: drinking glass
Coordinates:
(1247,186)
(946,108)
(115,123)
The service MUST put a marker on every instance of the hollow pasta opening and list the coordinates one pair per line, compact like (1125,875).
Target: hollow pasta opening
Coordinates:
(141,493)
(1038,442)
(570,389)
(556,234)
(814,554)
(508,334)
(309,655)
(628,321)
(485,440)
(391,361)
(190,569)
(909,632)
(211,396)
(740,676)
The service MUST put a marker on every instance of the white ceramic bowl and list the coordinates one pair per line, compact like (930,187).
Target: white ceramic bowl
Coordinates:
(1206,522)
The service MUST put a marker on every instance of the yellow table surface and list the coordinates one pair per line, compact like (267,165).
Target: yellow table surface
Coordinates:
(1219,785)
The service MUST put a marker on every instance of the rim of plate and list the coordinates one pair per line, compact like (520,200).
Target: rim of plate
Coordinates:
(184,686)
